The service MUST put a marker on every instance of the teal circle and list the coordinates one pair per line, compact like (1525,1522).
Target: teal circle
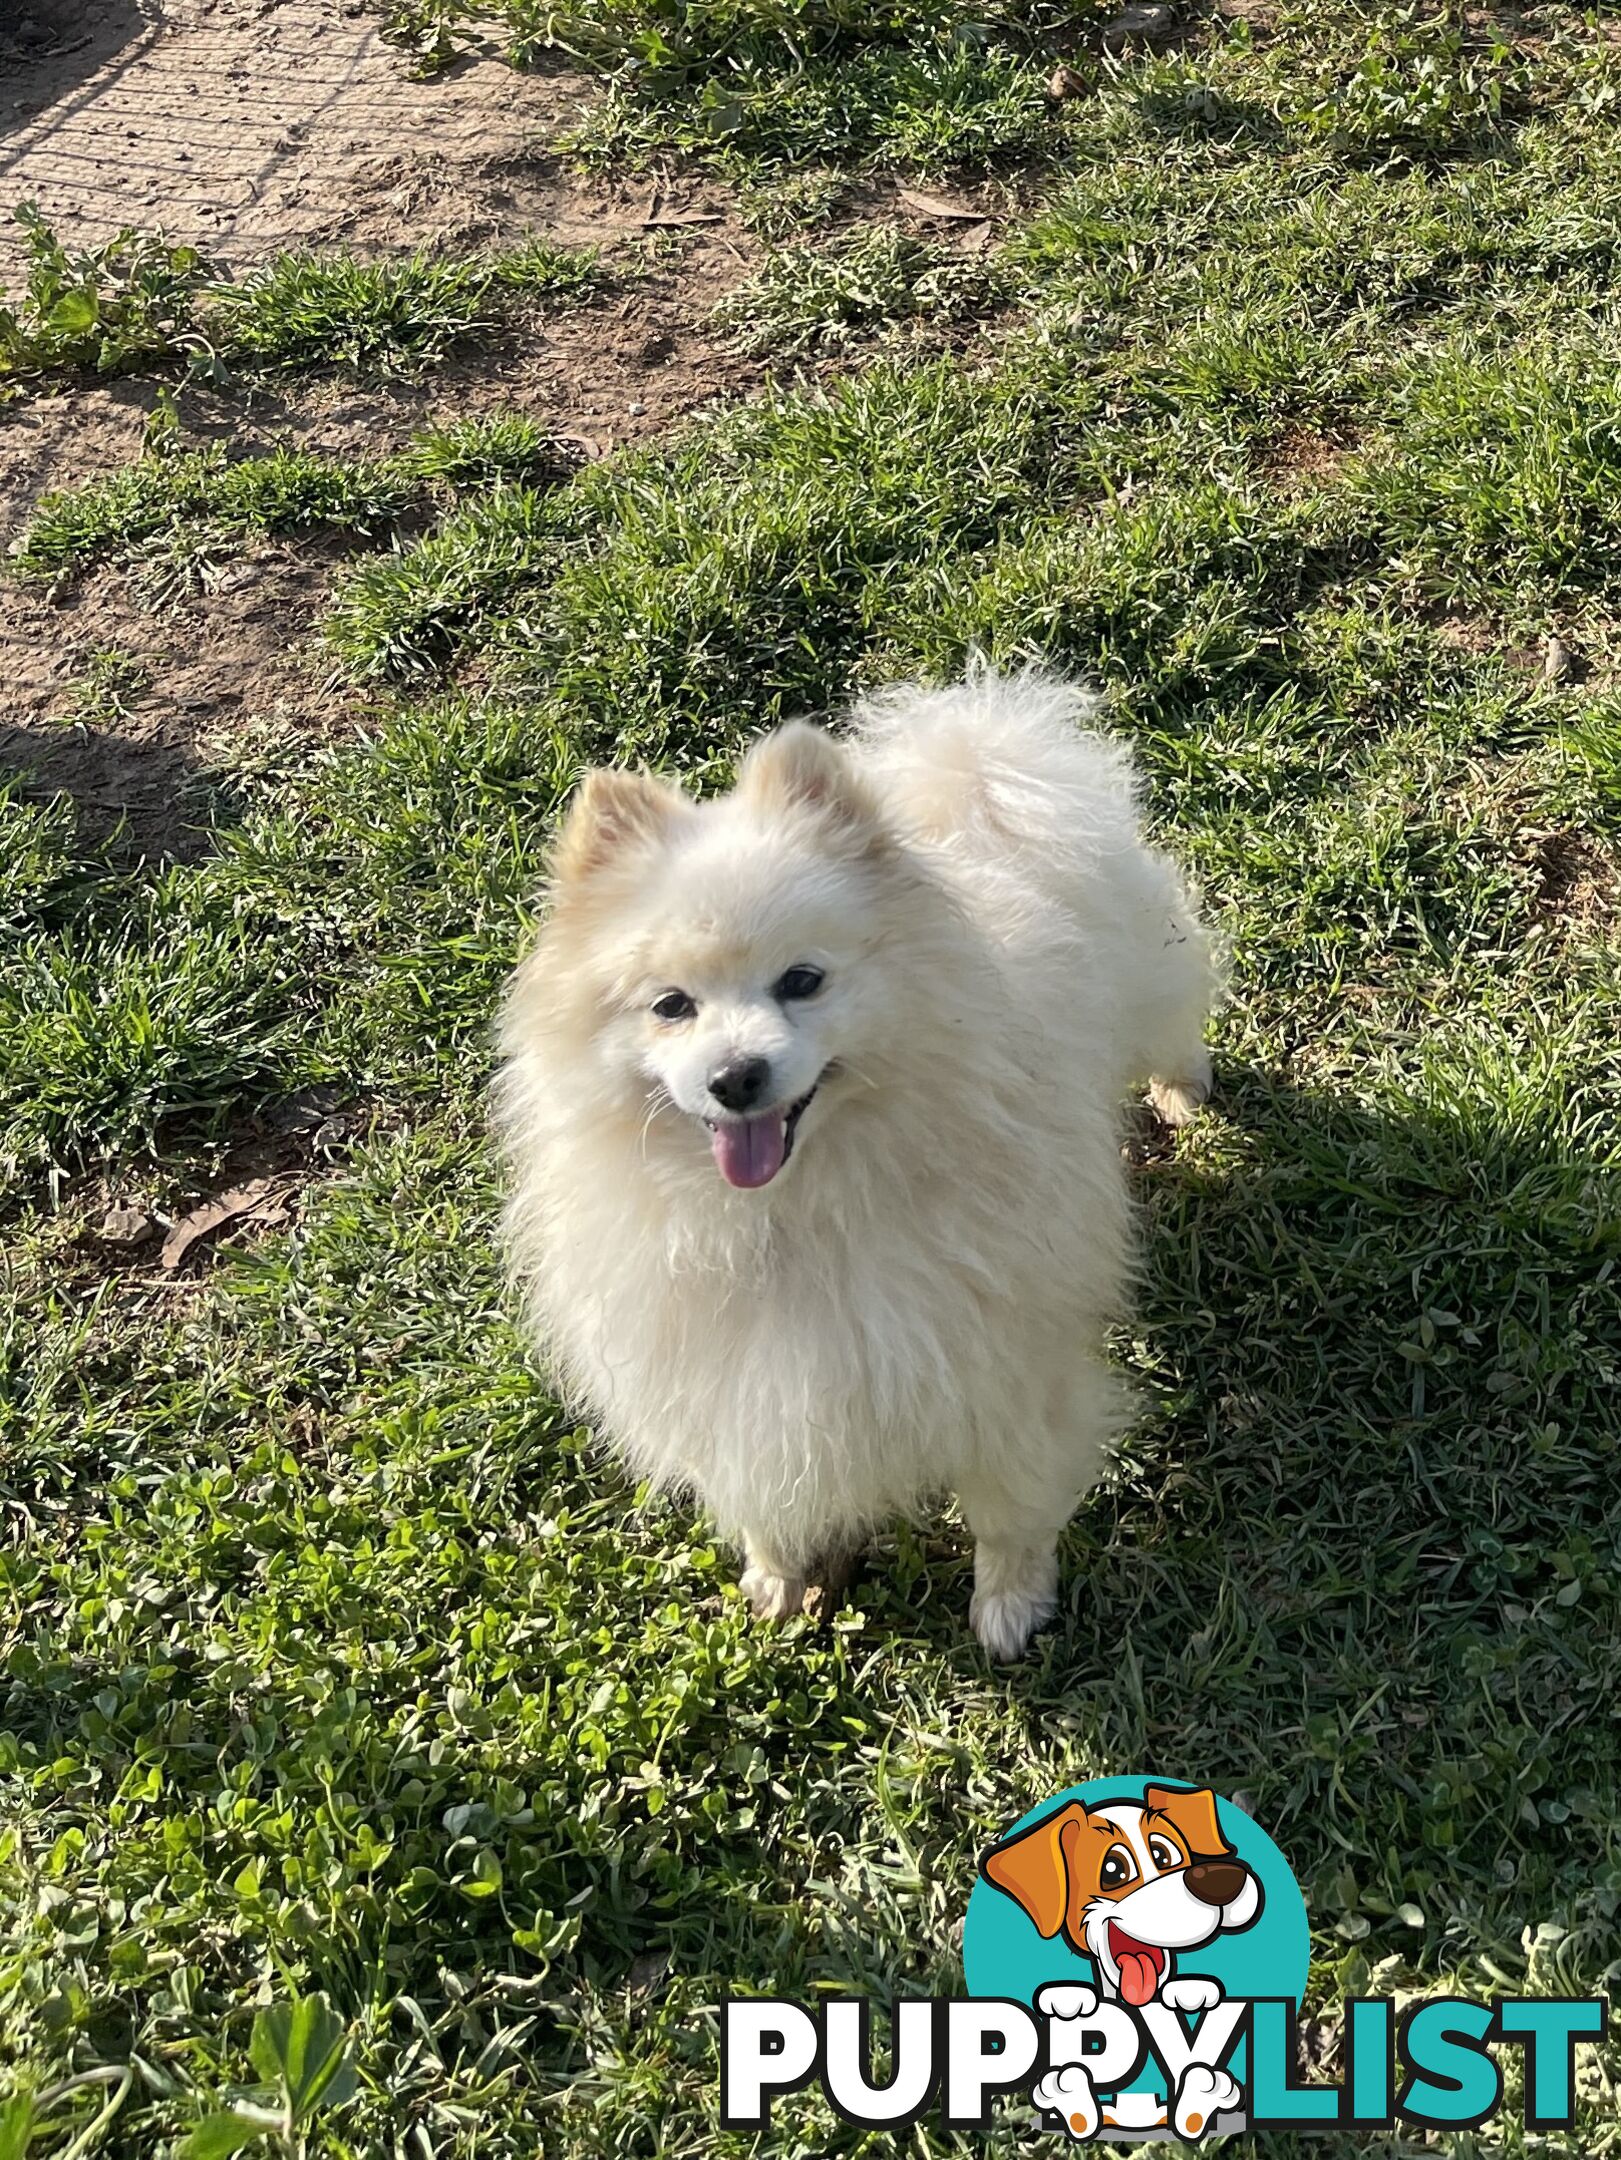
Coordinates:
(1003,1955)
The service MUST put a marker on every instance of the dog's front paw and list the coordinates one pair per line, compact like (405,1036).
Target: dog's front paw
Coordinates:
(1066,1999)
(1005,1620)
(1190,1994)
(1068,2094)
(773,1597)
(1202,2095)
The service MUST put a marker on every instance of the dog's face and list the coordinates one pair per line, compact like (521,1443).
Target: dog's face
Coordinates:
(1128,1884)
(730,951)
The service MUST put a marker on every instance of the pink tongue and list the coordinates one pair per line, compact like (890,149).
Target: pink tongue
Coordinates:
(1138,1972)
(750,1152)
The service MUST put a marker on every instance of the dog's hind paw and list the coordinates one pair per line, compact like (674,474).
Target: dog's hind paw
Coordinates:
(1005,1620)
(773,1597)
(1178,1101)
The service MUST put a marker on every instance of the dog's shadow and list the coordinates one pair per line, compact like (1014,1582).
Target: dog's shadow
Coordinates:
(1358,1558)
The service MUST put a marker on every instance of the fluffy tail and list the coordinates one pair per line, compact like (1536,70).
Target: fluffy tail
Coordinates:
(1002,759)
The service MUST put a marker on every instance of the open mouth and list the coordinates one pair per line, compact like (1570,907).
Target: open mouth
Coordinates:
(750,1151)
(1141,1965)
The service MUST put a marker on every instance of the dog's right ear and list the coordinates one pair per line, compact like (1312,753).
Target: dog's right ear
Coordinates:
(613,812)
(802,767)
(1032,1867)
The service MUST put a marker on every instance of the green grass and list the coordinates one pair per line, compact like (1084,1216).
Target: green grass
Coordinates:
(107,686)
(339,1660)
(304,311)
(139,300)
(936,85)
(184,511)
(811,298)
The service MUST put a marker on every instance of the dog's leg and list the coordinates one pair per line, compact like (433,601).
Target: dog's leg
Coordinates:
(770,1583)
(1178,1100)
(1015,1563)
(1021,1491)
(1015,1587)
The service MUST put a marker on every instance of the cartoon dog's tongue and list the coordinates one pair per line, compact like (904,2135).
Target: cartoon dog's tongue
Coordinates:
(750,1151)
(1139,1967)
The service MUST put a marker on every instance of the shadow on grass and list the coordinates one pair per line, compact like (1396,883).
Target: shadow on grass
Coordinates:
(135,799)
(1362,1563)
(1358,1565)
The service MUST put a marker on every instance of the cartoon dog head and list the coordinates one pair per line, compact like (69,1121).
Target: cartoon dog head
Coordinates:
(1128,1883)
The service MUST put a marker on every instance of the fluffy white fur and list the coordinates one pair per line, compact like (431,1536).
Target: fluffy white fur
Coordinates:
(915,1303)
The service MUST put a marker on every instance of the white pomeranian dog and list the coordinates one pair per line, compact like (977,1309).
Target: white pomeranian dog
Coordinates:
(811,1097)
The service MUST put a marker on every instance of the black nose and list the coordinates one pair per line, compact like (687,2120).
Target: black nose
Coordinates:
(1216,1882)
(741,1084)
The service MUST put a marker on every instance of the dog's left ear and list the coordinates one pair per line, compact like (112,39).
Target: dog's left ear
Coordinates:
(1032,1867)
(1194,1814)
(801,767)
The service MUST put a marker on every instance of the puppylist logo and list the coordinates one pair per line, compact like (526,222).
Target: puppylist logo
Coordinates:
(1136,1953)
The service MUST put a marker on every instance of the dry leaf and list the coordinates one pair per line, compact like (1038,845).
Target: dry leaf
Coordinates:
(261,1201)
(1148,22)
(937,206)
(126,1226)
(646,1970)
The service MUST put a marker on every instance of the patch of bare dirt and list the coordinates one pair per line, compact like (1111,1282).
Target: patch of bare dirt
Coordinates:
(243,126)
(240,664)
(1578,878)
(155,1227)
(1305,457)
(622,366)
(208,683)
(616,367)
(242,661)
(1482,639)
(1466,633)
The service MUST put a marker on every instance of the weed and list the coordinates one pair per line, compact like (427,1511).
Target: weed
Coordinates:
(105,309)
(138,301)
(434,34)
(785,205)
(1423,81)
(107,687)
(809,298)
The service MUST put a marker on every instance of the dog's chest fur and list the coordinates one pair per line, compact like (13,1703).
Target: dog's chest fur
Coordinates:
(845,1352)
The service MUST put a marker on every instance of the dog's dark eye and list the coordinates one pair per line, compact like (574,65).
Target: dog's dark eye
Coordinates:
(800,982)
(1163,1853)
(674,1005)
(1117,1868)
